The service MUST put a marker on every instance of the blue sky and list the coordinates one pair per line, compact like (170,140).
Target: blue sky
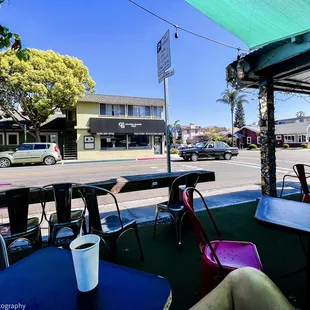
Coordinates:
(117,42)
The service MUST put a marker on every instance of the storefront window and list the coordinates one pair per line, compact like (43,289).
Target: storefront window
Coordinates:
(157,111)
(113,142)
(112,109)
(139,142)
(139,111)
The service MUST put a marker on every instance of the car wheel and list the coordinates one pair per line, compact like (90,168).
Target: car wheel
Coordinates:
(194,157)
(49,160)
(4,162)
(227,156)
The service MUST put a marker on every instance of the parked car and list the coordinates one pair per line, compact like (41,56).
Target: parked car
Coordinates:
(27,153)
(213,149)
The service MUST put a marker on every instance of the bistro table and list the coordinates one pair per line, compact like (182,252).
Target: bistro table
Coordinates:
(46,280)
(288,215)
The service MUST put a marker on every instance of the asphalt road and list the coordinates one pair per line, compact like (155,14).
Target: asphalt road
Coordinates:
(238,172)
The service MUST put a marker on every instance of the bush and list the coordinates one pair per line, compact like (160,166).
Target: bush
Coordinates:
(304,145)
(286,146)
(173,150)
(252,147)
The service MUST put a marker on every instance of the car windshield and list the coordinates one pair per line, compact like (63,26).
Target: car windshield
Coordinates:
(201,144)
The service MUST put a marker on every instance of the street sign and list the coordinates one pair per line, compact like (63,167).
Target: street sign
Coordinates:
(163,54)
(165,75)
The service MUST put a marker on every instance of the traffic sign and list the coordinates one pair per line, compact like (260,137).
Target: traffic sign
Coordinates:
(163,54)
(165,75)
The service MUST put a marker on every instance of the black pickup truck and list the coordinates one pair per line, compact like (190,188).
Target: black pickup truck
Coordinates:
(212,149)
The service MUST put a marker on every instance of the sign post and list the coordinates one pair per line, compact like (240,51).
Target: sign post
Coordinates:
(164,63)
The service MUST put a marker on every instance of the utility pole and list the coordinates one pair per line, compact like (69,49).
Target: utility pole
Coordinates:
(167,125)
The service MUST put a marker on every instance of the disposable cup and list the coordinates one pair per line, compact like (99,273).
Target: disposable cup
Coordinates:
(86,262)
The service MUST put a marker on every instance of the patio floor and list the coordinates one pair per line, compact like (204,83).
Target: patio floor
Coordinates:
(280,253)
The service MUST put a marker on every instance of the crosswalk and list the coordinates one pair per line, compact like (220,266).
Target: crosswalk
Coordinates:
(179,168)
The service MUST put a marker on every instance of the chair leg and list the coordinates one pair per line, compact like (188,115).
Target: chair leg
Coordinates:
(155,222)
(139,243)
(84,229)
(111,246)
(178,230)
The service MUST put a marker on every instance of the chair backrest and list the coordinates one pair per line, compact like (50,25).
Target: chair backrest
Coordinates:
(200,233)
(300,172)
(62,193)
(90,198)
(17,202)
(4,260)
(188,180)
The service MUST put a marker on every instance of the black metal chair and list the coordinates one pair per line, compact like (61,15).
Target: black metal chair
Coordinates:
(111,227)
(64,218)
(175,205)
(20,227)
(4,260)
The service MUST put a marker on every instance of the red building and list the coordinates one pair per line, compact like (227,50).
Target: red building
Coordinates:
(247,135)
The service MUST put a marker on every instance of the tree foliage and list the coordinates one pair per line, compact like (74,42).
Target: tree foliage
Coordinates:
(239,115)
(232,97)
(300,114)
(34,90)
(12,40)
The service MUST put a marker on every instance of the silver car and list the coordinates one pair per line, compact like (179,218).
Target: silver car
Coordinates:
(27,153)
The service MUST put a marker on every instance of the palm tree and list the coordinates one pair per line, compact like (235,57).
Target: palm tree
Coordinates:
(232,97)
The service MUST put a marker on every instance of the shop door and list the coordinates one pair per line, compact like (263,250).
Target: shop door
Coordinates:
(157,145)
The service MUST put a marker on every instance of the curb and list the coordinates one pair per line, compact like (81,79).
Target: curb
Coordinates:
(151,158)
(93,161)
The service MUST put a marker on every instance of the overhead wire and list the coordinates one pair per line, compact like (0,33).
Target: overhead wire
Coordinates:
(177,27)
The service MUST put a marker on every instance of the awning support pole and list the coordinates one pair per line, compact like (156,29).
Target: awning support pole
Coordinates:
(267,138)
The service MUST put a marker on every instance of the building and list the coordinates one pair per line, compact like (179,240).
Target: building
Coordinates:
(191,133)
(110,127)
(292,131)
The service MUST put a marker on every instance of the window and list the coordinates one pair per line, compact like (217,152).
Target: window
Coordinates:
(112,109)
(12,138)
(258,140)
(157,111)
(25,147)
(1,138)
(248,140)
(113,142)
(302,138)
(289,139)
(40,146)
(139,111)
(278,137)
(70,116)
(139,142)
(49,137)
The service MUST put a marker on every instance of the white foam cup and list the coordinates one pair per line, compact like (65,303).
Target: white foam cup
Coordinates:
(86,262)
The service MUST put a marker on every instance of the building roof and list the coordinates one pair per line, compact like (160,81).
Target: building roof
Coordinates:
(292,119)
(109,99)
(293,128)
(250,127)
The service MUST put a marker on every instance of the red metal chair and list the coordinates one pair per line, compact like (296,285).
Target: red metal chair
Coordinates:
(219,257)
(300,171)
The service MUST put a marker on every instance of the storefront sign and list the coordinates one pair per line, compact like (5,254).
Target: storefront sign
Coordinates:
(110,127)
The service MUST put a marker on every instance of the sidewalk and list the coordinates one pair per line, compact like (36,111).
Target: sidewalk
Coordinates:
(144,210)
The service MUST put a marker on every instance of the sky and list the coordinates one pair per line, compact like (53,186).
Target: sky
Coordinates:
(117,42)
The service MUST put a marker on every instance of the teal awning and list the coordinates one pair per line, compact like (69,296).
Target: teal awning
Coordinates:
(258,22)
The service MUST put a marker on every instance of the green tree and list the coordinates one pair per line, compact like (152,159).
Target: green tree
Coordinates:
(232,97)
(300,114)
(239,115)
(12,40)
(35,89)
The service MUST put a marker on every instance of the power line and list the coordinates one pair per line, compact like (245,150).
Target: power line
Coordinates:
(186,30)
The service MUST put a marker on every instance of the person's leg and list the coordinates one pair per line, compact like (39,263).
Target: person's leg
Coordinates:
(245,289)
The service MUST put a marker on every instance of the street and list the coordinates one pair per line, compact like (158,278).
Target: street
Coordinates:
(241,171)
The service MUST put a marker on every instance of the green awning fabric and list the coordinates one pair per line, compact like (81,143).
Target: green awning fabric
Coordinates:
(258,22)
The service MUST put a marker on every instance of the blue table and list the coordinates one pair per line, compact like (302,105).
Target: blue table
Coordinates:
(46,280)
(287,215)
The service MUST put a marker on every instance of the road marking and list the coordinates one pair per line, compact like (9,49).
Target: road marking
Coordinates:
(284,161)
(279,169)
(259,165)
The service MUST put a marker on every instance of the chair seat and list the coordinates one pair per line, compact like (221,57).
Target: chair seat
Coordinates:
(233,254)
(32,223)
(174,206)
(111,224)
(75,215)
